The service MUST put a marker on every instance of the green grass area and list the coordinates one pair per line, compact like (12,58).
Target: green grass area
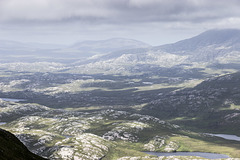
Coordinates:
(138,107)
(232,107)
(124,149)
(186,84)
(214,145)
(219,72)
(185,143)
(91,108)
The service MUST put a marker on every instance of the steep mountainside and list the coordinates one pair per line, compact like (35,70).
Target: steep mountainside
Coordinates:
(226,37)
(12,148)
(209,46)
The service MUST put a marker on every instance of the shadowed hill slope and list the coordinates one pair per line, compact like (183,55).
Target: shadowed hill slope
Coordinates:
(13,149)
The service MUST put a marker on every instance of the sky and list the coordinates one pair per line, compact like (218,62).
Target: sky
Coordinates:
(152,21)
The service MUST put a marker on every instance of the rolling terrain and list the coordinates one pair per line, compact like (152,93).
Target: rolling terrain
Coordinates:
(114,99)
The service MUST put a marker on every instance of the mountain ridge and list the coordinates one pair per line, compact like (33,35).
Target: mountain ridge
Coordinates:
(213,46)
(210,37)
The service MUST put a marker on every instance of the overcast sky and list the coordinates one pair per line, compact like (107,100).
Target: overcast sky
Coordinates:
(153,21)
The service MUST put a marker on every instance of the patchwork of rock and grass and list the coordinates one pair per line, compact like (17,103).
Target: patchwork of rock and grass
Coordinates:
(211,106)
(101,117)
(108,134)
(67,90)
(62,134)
(206,144)
(97,98)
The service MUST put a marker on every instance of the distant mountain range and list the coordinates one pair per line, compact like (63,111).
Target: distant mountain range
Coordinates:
(12,51)
(224,37)
(210,47)
(109,45)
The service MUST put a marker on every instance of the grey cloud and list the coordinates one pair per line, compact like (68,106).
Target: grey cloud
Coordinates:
(116,11)
(155,21)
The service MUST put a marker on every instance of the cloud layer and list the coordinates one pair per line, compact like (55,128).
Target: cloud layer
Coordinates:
(117,11)
(159,21)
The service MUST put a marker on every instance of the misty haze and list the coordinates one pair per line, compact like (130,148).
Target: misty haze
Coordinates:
(119,80)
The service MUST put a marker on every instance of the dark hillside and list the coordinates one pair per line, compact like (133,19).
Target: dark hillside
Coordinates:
(12,149)
(214,104)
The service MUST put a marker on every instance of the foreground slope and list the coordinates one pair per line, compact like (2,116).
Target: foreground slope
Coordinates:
(66,134)
(12,148)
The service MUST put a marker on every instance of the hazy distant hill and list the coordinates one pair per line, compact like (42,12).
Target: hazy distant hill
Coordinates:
(213,48)
(12,51)
(109,45)
(14,45)
(224,37)
(211,45)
